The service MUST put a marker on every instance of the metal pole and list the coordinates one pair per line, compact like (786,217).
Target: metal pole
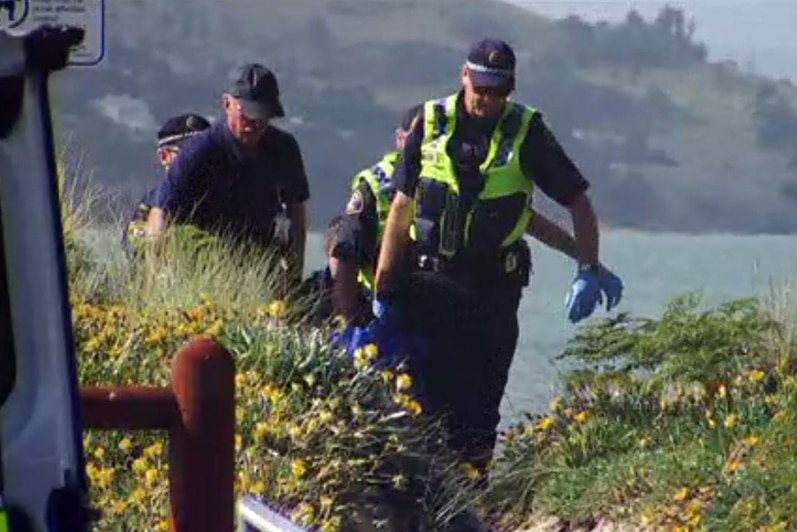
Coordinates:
(202,446)
(131,408)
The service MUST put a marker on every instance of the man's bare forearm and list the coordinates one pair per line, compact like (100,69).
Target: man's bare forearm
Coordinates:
(394,241)
(346,290)
(585,229)
(552,235)
(156,221)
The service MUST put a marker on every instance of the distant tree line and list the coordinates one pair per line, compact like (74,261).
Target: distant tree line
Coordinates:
(667,41)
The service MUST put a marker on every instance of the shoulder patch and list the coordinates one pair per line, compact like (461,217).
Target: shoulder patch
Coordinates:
(355,205)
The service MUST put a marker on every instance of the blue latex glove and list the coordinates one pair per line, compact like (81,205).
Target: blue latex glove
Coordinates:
(584,295)
(353,338)
(611,285)
(381,309)
(342,337)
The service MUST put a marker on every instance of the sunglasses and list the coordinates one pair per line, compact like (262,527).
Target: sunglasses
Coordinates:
(495,92)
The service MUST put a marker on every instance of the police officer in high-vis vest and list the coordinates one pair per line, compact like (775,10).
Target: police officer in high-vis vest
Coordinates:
(355,251)
(463,200)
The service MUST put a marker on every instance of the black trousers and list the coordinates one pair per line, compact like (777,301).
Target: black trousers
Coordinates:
(471,327)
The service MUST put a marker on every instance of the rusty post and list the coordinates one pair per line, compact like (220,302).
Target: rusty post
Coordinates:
(129,408)
(202,445)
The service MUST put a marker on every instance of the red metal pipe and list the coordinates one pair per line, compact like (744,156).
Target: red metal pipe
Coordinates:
(202,447)
(130,408)
(199,412)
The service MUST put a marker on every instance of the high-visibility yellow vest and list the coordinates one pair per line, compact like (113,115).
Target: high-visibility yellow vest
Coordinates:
(502,210)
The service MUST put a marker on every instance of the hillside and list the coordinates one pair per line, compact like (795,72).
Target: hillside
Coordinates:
(669,141)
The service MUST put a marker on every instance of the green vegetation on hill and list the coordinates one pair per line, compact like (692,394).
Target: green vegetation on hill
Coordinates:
(668,140)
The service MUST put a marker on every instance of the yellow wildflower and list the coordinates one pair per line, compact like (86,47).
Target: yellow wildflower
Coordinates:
(125,444)
(278,309)
(399,481)
(757,375)
(119,506)
(779,416)
(294,431)
(303,514)
(471,471)
(333,524)
(735,465)
(681,494)
(731,421)
(403,382)
(752,440)
(360,359)
(140,464)
(546,423)
(582,417)
(273,393)
(138,495)
(154,450)
(261,430)
(371,351)
(326,502)
(298,468)
(151,476)
(414,407)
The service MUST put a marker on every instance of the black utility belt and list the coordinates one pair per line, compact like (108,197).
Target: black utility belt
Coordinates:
(514,260)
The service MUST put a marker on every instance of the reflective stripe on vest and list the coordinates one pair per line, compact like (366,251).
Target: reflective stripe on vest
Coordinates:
(501,168)
(379,179)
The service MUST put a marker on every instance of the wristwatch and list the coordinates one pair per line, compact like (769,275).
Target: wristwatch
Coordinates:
(584,267)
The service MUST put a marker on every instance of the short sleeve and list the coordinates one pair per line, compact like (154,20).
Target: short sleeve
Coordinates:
(356,238)
(297,189)
(544,161)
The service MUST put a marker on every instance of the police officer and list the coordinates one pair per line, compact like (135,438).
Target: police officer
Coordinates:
(463,196)
(171,136)
(357,234)
(353,256)
(235,178)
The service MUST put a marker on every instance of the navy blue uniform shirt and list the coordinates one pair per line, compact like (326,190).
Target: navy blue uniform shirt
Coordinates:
(542,159)
(216,185)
